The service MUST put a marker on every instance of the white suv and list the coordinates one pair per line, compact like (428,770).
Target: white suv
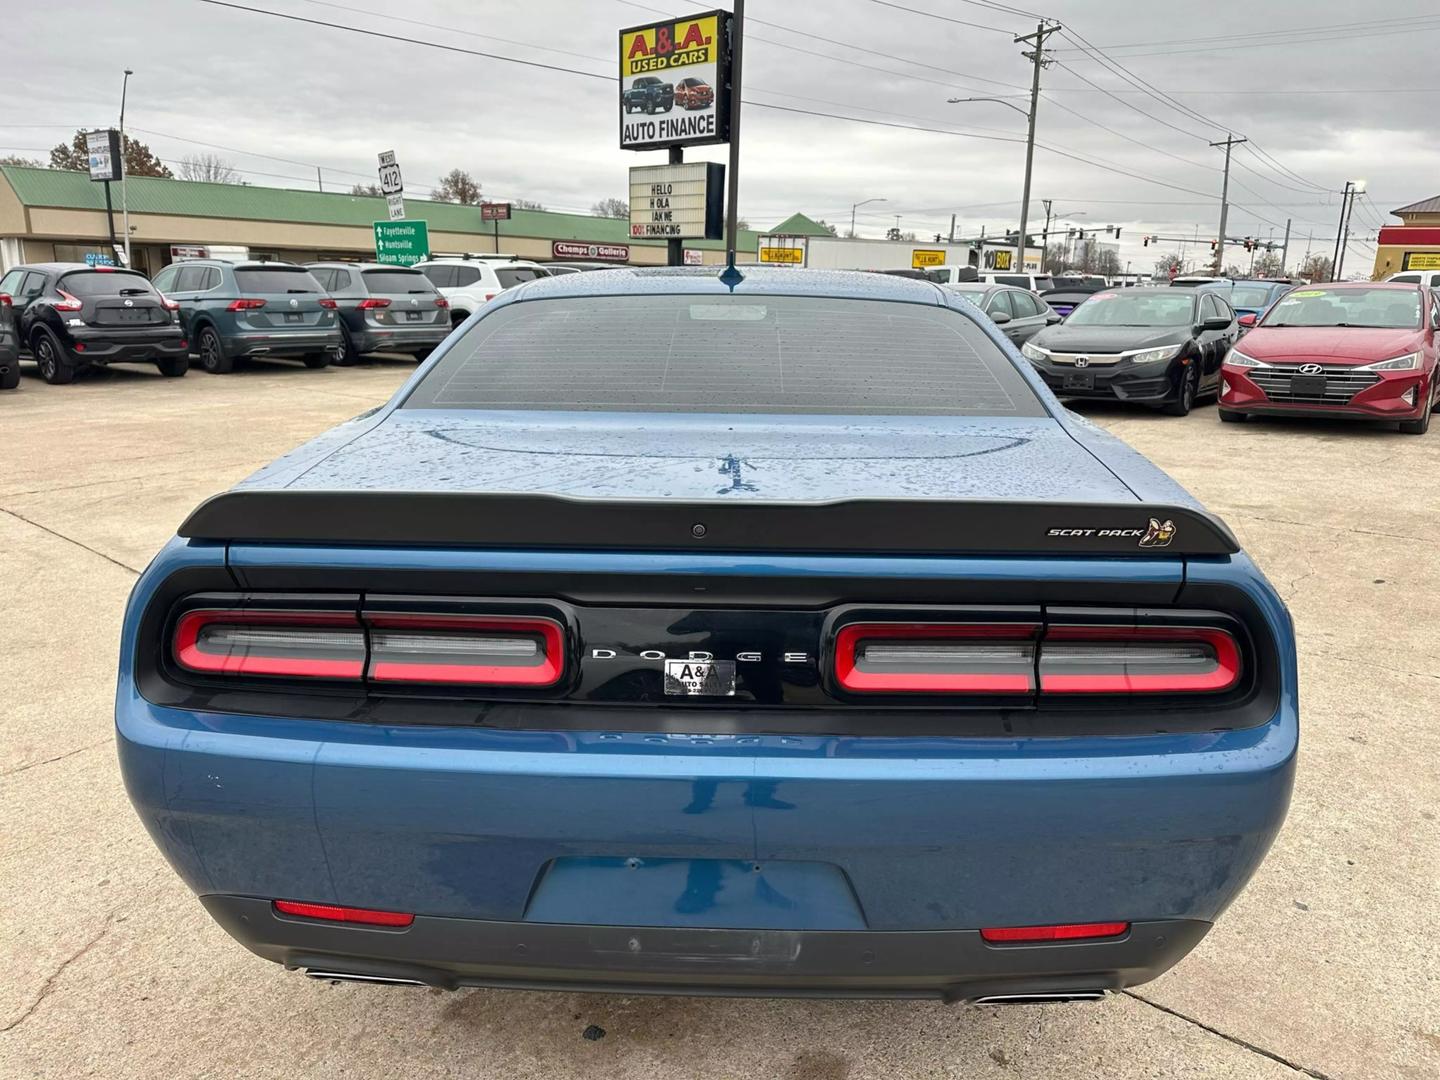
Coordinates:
(468,283)
(1430,278)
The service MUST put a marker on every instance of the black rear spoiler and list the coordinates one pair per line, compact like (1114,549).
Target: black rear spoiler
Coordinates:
(851,526)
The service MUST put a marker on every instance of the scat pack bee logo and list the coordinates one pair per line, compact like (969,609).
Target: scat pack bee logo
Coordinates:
(1158,534)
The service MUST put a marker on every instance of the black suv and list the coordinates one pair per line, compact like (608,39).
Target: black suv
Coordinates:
(648,94)
(9,345)
(73,316)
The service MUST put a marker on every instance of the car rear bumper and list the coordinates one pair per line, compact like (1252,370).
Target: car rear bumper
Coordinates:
(952,964)
(282,342)
(400,339)
(100,346)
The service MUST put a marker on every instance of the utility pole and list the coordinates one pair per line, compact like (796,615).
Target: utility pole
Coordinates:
(952,229)
(1045,233)
(1347,208)
(319,180)
(1285,249)
(1037,58)
(1230,142)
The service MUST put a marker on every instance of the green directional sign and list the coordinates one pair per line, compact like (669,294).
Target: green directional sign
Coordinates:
(402,243)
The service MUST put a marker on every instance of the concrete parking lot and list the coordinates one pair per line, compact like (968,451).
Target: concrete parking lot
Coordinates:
(1326,966)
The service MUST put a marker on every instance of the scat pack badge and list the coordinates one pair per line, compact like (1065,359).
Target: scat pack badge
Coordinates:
(1159,534)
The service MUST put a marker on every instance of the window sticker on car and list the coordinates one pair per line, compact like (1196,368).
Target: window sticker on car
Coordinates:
(1308,292)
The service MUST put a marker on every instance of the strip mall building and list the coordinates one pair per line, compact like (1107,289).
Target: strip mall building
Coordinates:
(1414,245)
(48,214)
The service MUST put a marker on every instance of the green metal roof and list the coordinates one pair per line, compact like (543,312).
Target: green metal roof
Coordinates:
(191,198)
(799,225)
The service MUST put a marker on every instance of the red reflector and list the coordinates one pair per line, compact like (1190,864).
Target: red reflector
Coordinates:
(372,302)
(473,650)
(1059,932)
(284,644)
(1138,660)
(245,305)
(79,346)
(939,658)
(334,913)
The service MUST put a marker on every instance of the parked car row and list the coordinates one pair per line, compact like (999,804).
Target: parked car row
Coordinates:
(70,316)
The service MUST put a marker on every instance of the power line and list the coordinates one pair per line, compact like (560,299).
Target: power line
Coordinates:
(944,18)
(1283,32)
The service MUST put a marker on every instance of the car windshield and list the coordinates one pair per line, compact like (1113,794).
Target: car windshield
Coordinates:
(397,281)
(104,283)
(276,279)
(1248,296)
(1135,309)
(727,354)
(1393,309)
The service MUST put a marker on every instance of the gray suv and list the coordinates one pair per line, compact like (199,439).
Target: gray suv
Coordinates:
(236,310)
(383,308)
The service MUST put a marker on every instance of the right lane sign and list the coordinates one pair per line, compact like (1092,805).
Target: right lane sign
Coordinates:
(392,185)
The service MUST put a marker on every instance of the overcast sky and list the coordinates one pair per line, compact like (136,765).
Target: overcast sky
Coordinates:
(1327,105)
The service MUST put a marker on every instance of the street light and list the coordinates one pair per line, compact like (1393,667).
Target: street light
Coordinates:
(124,172)
(862,202)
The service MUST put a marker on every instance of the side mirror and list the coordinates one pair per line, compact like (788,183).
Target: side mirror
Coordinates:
(1053,318)
(1000,318)
(1248,320)
(1217,322)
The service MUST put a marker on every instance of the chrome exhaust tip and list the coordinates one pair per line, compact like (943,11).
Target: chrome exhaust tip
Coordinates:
(1040,997)
(350,976)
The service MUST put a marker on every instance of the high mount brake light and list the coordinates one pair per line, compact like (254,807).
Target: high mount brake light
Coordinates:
(1138,660)
(279,644)
(921,658)
(1019,658)
(1058,932)
(467,650)
(384,647)
(336,913)
(245,304)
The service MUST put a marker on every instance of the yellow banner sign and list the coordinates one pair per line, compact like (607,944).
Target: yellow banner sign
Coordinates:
(782,255)
(1422,260)
(669,45)
(919,259)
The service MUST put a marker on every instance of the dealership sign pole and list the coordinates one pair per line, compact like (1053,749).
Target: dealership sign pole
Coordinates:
(737,35)
(676,75)
(103,150)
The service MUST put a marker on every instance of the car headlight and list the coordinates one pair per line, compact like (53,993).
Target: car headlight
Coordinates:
(1154,356)
(1236,358)
(1034,352)
(1408,362)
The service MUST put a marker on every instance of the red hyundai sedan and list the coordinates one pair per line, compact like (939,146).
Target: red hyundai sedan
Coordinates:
(1362,351)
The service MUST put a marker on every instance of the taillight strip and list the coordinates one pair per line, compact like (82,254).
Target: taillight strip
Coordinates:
(1125,659)
(425,648)
(1007,650)
(264,653)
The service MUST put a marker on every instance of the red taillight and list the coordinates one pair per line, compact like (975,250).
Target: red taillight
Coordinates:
(281,644)
(245,304)
(470,650)
(335,913)
(1059,932)
(67,302)
(372,302)
(921,658)
(170,305)
(1138,660)
(326,302)
(5,300)
(1021,658)
(441,302)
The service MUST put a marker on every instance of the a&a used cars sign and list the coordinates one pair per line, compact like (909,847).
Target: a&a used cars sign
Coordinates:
(674,78)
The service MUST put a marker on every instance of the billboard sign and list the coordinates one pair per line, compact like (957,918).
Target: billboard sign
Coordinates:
(676,202)
(694,257)
(495,211)
(675,82)
(103,150)
(1421,260)
(920,258)
(392,185)
(569,249)
(402,243)
(783,256)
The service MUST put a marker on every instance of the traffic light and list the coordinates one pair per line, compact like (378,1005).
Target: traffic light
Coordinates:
(1213,245)
(937,238)
(1249,244)
(1145,242)
(1117,232)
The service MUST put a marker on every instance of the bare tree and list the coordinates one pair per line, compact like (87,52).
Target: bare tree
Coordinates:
(611,208)
(1169,265)
(1268,265)
(526,204)
(818,221)
(1316,268)
(209,168)
(458,186)
(23,162)
(365,189)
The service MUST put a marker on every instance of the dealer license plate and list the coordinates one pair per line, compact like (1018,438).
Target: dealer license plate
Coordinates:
(696,678)
(413,316)
(294,316)
(1309,386)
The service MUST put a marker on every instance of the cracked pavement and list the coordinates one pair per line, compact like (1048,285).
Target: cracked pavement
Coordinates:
(1325,967)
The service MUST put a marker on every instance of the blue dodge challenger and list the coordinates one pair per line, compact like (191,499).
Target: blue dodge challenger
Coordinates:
(713,634)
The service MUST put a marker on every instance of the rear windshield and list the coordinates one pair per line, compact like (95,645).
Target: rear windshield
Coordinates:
(728,354)
(1135,309)
(277,279)
(85,283)
(516,275)
(1249,296)
(397,281)
(1391,309)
